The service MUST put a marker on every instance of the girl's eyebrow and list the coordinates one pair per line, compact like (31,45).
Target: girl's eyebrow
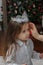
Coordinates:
(23,30)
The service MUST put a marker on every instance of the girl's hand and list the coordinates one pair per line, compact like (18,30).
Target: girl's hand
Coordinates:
(33,30)
(41,55)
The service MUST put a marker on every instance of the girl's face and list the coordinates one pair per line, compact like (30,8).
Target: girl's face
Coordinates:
(24,34)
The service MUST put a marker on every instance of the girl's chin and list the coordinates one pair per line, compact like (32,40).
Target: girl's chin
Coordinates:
(27,38)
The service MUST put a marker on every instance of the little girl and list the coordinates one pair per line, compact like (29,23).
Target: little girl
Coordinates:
(21,49)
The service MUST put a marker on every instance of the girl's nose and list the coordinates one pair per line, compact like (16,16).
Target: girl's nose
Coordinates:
(28,32)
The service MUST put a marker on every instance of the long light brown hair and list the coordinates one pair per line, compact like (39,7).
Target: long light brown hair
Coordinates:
(13,30)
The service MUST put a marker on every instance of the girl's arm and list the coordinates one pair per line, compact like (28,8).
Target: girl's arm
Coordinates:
(35,55)
(10,55)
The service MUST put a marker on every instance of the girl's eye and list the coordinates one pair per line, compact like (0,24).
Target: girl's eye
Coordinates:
(28,29)
(23,31)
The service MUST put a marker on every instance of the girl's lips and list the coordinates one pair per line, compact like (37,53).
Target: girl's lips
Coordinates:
(28,37)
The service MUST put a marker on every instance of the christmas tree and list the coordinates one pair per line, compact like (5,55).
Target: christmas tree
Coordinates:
(34,9)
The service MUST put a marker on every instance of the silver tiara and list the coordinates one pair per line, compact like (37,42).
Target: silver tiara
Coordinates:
(19,18)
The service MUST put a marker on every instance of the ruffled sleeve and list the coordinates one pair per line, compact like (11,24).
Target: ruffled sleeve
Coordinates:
(10,55)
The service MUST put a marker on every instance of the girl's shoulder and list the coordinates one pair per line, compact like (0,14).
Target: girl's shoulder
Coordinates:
(12,46)
(10,49)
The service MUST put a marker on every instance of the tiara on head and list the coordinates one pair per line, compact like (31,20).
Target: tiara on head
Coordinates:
(19,18)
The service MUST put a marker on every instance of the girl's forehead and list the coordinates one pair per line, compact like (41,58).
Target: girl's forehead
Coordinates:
(25,26)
